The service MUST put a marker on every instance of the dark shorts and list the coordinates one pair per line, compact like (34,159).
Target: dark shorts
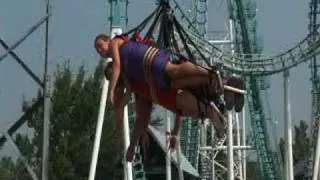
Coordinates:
(166,97)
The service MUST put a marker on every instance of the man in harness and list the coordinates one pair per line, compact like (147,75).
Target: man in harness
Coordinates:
(148,72)
(181,102)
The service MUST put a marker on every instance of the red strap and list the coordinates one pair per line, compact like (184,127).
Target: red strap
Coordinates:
(138,37)
(123,37)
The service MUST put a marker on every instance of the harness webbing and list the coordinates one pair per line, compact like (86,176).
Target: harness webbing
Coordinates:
(166,39)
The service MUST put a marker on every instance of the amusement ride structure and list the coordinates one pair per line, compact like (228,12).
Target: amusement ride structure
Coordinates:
(185,28)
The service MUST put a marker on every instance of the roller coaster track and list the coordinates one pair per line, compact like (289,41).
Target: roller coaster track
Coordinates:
(247,44)
(315,92)
(252,65)
(260,66)
(256,65)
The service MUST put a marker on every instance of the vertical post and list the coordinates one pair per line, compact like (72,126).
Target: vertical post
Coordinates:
(230,148)
(317,156)
(46,128)
(239,144)
(46,113)
(213,170)
(181,177)
(103,100)
(99,125)
(288,130)
(126,140)
(115,24)
(203,143)
(230,116)
(244,159)
(168,153)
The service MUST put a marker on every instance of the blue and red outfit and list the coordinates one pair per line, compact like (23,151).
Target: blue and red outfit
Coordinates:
(141,59)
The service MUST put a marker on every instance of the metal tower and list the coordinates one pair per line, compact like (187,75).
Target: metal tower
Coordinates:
(315,92)
(198,15)
(244,14)
(45,100)
(119,19)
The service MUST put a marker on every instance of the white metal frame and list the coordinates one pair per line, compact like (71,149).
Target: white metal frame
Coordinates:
(232,120)
(288,128)
(127,165)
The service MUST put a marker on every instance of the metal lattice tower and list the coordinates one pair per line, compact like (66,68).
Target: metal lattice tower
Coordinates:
(119,19)
(44,101)
(247,44)
(251,65)
(198,15)
(315,92)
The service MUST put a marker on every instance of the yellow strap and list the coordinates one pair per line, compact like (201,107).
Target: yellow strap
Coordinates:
(147,67)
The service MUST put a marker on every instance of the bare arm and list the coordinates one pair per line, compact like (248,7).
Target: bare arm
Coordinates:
(119,111)
(128,92)
(115,44)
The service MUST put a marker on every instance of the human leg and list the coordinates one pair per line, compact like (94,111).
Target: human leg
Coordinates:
(178,71)
(206,87)
(190,106)
(210,88)
(185,82)
(143,113)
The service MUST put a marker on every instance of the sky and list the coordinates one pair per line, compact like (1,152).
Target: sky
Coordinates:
(75,23)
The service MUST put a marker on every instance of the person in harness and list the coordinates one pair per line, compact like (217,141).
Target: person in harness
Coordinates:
(147,63)
(181,102)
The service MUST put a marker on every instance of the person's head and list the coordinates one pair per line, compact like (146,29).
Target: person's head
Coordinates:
(101,44)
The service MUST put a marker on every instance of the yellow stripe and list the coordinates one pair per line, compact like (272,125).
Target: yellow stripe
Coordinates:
(148,56)
(144,61)
(147,65)
(149,60)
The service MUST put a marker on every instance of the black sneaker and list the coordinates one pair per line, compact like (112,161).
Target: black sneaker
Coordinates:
(229,96)
(239,98)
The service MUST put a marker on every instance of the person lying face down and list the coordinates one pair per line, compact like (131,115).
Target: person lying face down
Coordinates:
(148,72)
(181,102)
(149,64)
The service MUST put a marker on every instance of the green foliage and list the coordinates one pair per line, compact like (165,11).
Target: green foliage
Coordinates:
(301,142)
(73,118)
(6,169)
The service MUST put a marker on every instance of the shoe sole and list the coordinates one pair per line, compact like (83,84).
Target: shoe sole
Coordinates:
(234,99)
(239,98)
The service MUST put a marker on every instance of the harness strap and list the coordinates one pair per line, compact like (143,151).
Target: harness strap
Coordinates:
(148,60)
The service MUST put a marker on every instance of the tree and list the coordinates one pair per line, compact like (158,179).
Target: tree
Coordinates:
(301,145)
(301,142)
(6,167)
(73,118)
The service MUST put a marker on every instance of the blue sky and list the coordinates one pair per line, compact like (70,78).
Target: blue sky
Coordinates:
(75,23)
